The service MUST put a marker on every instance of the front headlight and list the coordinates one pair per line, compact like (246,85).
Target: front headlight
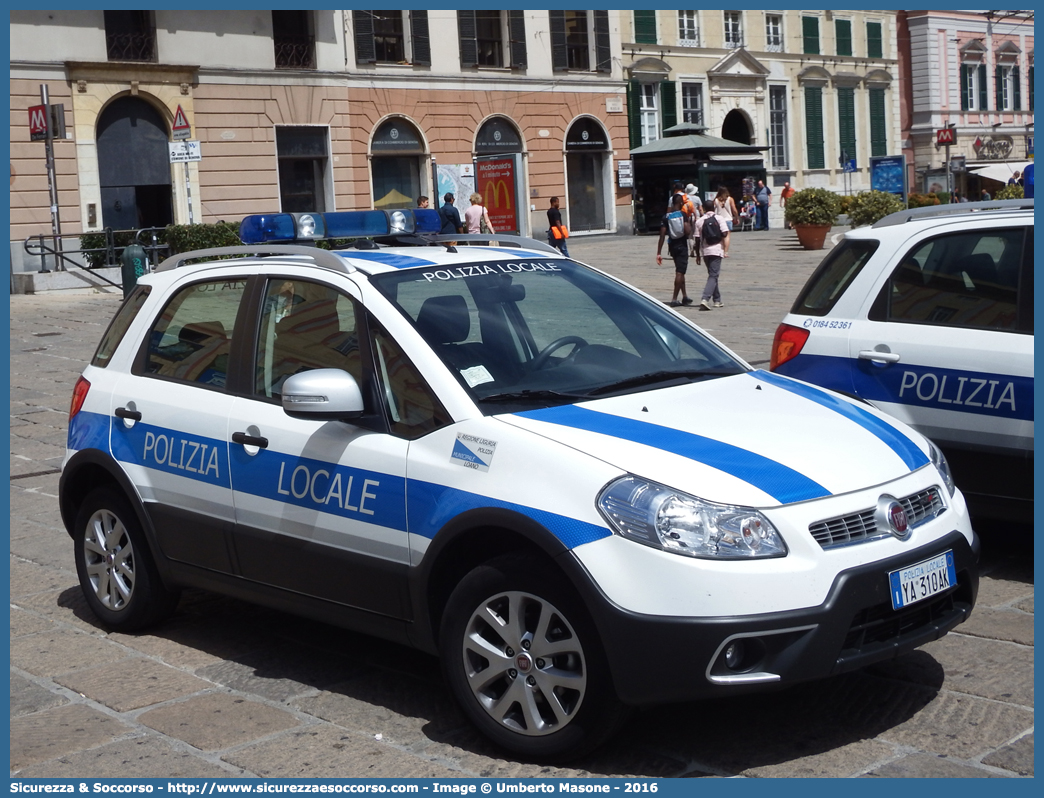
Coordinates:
(939,461)
(677,522)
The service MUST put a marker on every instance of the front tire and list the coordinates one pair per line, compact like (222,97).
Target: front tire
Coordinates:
(523,660)
(114,565)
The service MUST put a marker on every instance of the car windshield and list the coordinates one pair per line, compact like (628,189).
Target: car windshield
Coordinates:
(542,332)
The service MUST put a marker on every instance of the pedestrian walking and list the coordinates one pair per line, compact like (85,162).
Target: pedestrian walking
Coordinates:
(787,192)
(713,232)
(1015,179)
(556,232)
(676,228)
(476,217)
(450,216)
(985,195)
(763,196)
(725,205)
(422,201)
(692,198)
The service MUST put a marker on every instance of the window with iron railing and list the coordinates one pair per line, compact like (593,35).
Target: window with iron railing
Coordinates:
(293,39)
(130,36)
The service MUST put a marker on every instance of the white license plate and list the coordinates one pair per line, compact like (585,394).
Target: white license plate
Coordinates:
(924,580)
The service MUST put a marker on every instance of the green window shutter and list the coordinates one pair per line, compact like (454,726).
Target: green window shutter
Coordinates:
(420,39)
(998,75)
(603,54)
(814,127)
(846,123)
(517,31)
(365,49)
(964,87)
(559,53)
(843,32)
(634,113)
(1017,98)
(878,127)
(467,30)
(874,43)
(1031,88)
(645,27)
(983,92)
(668,104)
(810,35)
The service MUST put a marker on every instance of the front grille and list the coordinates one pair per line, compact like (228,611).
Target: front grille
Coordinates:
(861,527)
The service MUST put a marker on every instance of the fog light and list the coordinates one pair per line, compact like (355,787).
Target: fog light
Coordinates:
(733,654)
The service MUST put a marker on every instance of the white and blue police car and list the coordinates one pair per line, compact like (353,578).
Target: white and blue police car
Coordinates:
(576,498)
(928,315)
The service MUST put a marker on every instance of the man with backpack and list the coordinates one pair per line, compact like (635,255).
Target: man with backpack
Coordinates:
(676,228)
(712,230)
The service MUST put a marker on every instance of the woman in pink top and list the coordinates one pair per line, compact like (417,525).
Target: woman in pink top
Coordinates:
(476,215)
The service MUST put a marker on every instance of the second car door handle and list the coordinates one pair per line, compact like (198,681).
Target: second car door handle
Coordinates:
(249,440)
(879,357)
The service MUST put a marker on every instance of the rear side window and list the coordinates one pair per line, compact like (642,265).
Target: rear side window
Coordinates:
(192,338)
(118,326)
(969,280)
(833,276)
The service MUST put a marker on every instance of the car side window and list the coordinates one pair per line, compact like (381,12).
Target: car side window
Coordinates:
(192,338)
(304,325)
(968,280)
(412,407)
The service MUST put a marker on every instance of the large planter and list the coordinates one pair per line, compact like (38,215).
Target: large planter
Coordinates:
(812,236)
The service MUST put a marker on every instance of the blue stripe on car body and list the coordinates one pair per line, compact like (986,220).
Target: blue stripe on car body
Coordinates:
(908,451)
(387,259)
(88,431)
(981,393)
(777,480)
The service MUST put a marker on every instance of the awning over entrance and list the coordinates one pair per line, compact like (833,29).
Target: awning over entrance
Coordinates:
(1000,171)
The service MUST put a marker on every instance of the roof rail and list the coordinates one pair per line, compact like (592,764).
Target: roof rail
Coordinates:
(901,217)
(320,257)
(492,238)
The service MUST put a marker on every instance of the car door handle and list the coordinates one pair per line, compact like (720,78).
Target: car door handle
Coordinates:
(879,357)
(132,415)
(249,440)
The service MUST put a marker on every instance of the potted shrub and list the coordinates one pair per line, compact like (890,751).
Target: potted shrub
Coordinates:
(867,207)
(812,212)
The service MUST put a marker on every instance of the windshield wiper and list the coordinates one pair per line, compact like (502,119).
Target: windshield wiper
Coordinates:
(525,396)
(660,376)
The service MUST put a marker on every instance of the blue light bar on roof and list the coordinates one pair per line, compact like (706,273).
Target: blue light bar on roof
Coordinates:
(288,227)
(428,220)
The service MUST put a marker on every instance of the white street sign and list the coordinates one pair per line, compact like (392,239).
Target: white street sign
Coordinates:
(184,151)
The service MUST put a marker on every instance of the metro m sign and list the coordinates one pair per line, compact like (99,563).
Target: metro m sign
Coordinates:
(946,135)
(38,123)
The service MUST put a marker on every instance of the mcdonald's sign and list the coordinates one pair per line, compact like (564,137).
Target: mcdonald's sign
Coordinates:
(495,180)
(38,123)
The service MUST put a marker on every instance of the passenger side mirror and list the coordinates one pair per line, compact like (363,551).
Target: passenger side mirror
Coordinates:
(322,395)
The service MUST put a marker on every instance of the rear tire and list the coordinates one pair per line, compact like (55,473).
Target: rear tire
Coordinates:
(114,565)
(524,661)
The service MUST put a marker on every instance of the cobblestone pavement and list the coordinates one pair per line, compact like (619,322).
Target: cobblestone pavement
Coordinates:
(225,689)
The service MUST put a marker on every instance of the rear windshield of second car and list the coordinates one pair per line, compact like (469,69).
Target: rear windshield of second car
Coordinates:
(833,276)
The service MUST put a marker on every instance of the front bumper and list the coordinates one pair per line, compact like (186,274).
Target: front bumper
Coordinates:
(657,659)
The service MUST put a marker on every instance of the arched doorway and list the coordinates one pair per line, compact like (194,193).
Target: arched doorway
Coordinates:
(736,128)
(587,170)
(134,166)
(397,151)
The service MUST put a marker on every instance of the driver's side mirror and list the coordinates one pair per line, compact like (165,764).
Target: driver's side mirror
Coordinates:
(322,395)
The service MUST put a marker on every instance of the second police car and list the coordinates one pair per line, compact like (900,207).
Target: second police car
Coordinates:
(576,498)
(928,315)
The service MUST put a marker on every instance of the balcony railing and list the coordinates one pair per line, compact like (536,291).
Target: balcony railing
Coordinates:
(131,46)
(295,51)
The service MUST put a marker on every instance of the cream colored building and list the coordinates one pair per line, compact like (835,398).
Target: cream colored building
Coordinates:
(807,86)
(314,110)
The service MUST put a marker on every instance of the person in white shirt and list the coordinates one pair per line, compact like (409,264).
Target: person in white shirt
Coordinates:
(714,246)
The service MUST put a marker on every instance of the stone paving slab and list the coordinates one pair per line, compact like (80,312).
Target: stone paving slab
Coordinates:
(217,720)
(225,688)
(58,731)
(132,684)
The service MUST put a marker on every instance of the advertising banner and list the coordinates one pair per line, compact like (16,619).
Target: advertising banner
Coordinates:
(496,180)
